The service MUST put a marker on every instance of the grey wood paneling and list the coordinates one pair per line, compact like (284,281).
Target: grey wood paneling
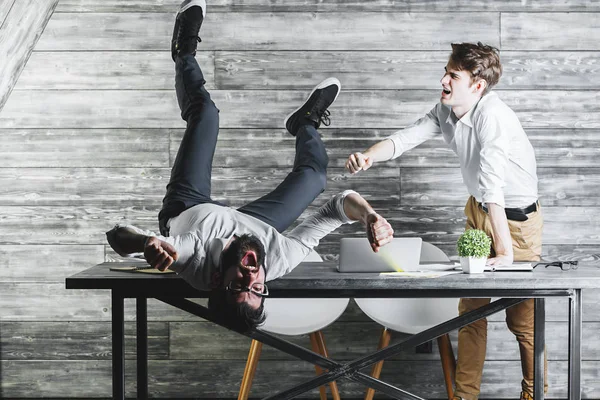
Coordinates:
(267,109)
(397,69)
(435,224)
(127,187)
(20,30)
(350,340)
(550,31)
(85,147)
(333,5)
(40,264)
(148,148)
(51,302)
(298,69)
(553,148)
(5,6)
(568,70)
(295,31)
(214,379)
(115,70)
(557,186)
(76,340)
(92,127)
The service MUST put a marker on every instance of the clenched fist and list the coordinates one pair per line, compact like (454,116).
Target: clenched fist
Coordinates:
(159,254)
(379,231)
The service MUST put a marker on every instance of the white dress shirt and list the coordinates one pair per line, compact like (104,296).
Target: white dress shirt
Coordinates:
(200,233)
(496,158)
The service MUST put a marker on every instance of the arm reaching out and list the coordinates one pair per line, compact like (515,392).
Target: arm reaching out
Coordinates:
(129,241)
(379,231)
(403,140)
(381,151)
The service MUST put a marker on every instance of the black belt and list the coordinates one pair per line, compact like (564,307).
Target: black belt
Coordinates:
(517,214)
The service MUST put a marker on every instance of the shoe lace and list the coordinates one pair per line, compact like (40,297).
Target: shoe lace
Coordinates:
(324,118)
(322,115)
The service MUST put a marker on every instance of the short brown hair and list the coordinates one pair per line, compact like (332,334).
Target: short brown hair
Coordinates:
(480,60)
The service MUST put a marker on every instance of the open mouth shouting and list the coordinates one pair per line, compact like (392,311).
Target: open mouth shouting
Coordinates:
(445,91)
(249,261)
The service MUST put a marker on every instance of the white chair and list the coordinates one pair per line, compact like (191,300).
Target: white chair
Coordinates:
(294,317)
(413,316)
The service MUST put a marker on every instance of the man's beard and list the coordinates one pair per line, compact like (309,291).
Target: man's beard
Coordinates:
(238,248)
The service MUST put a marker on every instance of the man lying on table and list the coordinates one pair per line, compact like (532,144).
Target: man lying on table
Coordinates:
(233,252)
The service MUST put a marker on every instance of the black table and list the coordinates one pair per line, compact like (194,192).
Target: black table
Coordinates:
(321,280)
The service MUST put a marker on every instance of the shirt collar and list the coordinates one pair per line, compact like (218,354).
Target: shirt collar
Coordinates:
(466,119)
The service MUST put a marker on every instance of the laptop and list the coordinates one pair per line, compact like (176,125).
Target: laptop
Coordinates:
(401,254)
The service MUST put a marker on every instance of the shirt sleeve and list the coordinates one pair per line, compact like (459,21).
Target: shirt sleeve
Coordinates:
(327,219)
(424,129)
(190,253)
(493,159)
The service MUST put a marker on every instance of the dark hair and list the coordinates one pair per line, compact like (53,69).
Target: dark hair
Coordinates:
(238,316)
(480,60)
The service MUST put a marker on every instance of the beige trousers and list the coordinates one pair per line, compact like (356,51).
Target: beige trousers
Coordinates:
(472,339)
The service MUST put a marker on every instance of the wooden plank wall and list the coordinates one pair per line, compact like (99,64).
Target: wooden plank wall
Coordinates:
(92,126)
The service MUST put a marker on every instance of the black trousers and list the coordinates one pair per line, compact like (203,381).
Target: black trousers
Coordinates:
(190,182)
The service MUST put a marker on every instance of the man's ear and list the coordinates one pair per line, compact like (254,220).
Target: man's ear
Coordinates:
(480,86)
(216,280)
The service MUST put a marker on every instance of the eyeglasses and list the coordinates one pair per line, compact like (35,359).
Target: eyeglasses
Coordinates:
(564,265)
(259,289)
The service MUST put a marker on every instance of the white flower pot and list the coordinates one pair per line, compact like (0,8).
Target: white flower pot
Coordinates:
(472,265)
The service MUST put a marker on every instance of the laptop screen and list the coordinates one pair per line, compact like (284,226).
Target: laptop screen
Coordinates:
(401,254)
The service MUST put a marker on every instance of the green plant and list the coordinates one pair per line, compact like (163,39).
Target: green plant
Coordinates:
(474,243)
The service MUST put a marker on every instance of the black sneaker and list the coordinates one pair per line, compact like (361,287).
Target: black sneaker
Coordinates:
(314,110)
(187,25)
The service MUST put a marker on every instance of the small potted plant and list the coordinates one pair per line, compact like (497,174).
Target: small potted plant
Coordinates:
(473,249)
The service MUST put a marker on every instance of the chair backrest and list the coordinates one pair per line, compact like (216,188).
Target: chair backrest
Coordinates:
(302,316)
(412,315)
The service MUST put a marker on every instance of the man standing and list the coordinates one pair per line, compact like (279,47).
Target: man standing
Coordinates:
(498,167)
(233,252)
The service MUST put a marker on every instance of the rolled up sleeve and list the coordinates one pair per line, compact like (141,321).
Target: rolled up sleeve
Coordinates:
(493,160)
(328,218)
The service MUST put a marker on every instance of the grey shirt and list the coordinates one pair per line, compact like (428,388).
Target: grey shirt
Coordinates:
(200,233)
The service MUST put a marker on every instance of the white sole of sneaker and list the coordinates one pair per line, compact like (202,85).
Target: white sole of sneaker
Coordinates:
(191,3)
(323,84)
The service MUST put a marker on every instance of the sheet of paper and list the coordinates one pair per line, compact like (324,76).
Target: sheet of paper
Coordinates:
(511,267)
(419,274)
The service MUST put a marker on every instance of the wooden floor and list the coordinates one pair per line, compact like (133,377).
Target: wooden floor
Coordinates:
(91,128)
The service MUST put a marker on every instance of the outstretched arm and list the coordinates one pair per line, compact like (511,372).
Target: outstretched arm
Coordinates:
(159,251)
(392,147)
(345,207)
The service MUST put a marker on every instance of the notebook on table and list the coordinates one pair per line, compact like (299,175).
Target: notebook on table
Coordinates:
(401,254)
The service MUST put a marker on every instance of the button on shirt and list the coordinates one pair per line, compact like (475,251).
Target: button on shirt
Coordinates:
(496,158)
(200,233)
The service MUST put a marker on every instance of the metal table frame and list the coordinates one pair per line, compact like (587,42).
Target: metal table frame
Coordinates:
(349,370)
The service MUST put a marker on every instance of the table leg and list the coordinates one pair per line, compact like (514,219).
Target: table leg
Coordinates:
(575,320)
(118,348)
(539,341)
(142,347)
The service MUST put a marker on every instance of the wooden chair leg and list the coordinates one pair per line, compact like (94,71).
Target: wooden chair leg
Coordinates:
(384,340)
(335,393)
(315,347)
(448,363)
(253,356)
